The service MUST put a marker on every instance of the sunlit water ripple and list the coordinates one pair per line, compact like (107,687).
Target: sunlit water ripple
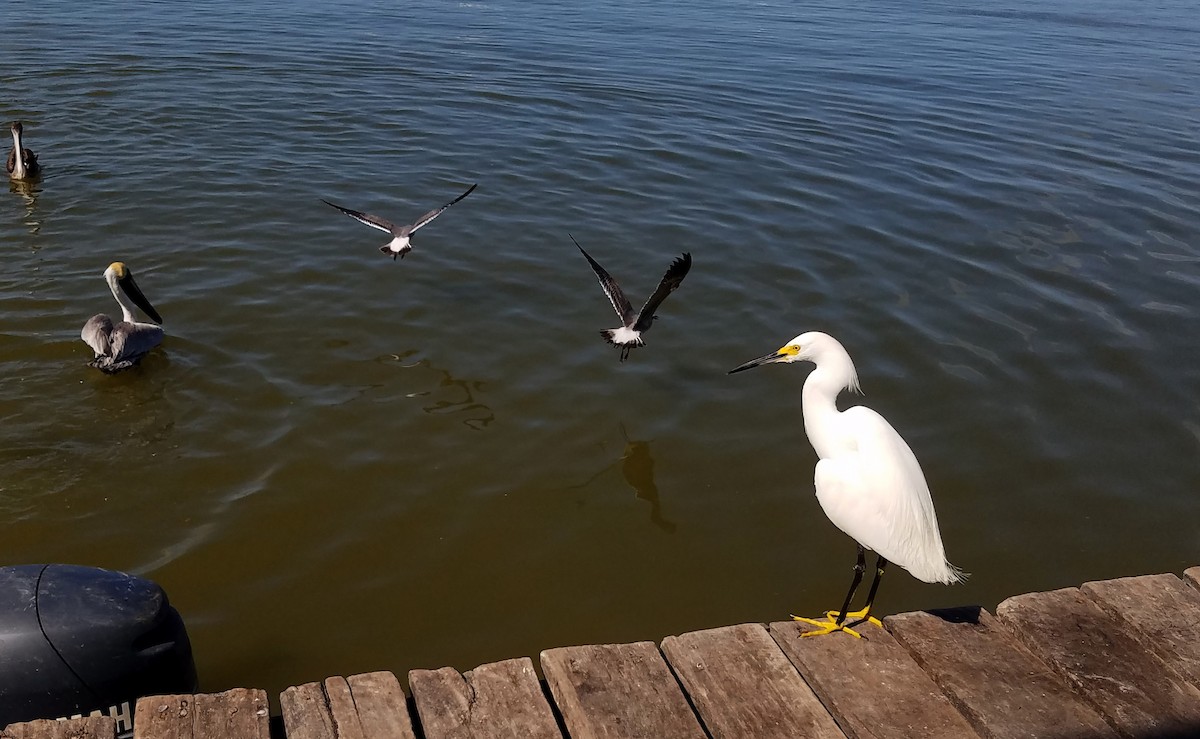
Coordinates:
(339,463)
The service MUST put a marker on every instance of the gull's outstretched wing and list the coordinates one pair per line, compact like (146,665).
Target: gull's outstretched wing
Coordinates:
(373,221)
(435,212)
(671,280)
(619,302)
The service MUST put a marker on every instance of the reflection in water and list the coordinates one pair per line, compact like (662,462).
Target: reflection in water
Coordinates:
(637,467)
(462,392)
(28,191)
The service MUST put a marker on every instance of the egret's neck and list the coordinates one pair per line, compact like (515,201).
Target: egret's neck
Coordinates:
(832,375)
(19,159)
(126,306)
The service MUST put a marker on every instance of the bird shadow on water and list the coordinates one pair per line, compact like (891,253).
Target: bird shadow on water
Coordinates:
(637,469)
(451,395)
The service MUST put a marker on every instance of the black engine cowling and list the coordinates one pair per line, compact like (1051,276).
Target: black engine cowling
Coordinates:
(81,640)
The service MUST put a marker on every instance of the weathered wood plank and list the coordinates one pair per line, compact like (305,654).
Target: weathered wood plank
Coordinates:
(618,690)
(996,683)
(163,717)
(239,713)
(870,685)
(88,727)
(742,685)
(382,708)
(443,702)
(1135,692)
(1164,614)
(367,706)
(342,713)
(1192,576)
(306,712)
(503,699)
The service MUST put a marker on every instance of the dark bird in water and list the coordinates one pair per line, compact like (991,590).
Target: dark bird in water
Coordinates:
(635,324)
(401,235)
(122,344)
(22,163)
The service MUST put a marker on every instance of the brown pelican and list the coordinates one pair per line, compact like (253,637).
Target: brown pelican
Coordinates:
(401,235)
(121,345)
(630,335)
(22,163)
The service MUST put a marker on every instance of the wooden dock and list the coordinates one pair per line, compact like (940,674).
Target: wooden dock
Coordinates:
(1117,658)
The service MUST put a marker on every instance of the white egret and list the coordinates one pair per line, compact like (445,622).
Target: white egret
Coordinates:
(22,163)
(401,235)
(636,324)
(121,345)
(868,481)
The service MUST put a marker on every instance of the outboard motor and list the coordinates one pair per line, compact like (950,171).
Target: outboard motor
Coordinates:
(77,640)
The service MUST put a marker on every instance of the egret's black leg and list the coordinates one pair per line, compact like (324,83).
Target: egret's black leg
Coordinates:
(829,625)
(880,564)
(859,568)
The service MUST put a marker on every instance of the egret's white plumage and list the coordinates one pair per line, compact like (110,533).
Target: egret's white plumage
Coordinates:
(867,478)
(22,164)
(401,235)
(122,344)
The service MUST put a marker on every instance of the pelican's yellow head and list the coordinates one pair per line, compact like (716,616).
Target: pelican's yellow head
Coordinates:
(120,278)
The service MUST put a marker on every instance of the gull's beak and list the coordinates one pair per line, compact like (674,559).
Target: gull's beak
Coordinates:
(768,359)
(130,288)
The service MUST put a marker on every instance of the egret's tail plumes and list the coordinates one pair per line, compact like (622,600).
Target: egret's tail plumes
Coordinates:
(954,575)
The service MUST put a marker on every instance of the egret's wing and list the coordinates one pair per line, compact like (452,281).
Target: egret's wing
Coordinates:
(886,504)
(619,302)
(436,212)
(95,333)
(671,280)
(130,341)
(373,221)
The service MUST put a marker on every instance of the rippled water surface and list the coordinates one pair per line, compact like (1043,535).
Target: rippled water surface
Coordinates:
(338,463)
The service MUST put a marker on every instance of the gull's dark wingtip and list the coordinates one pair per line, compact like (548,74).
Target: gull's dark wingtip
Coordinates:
(470,190)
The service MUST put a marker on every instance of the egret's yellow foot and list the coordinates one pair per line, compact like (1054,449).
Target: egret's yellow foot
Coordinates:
(826,627)
(856,617)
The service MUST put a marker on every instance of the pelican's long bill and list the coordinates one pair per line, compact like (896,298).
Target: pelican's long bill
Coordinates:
(777,356)
(130,288)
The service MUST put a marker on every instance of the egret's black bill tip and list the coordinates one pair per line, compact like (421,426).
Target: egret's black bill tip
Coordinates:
(754,363)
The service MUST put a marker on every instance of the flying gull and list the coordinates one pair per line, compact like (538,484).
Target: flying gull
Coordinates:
(401,235)
(635,324)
